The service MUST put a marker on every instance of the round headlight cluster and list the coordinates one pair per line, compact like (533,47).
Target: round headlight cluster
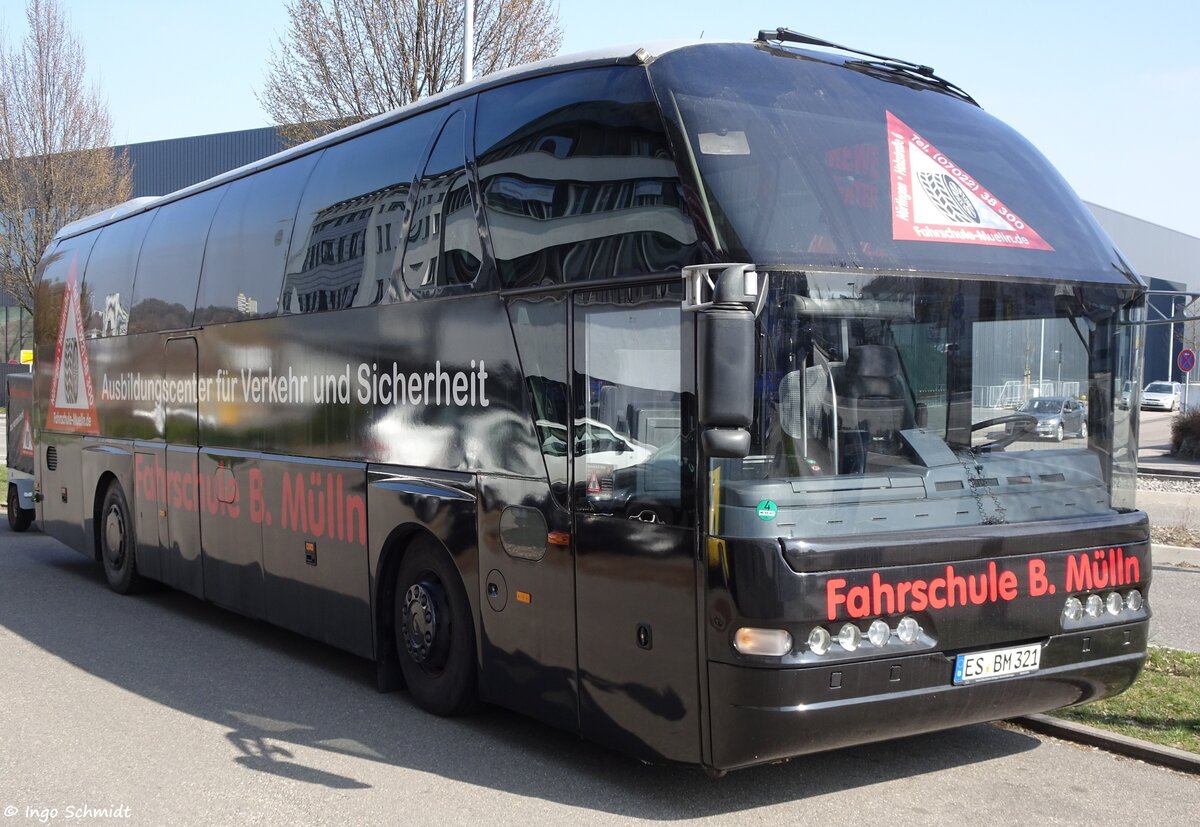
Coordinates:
(1095,605)
(850,637)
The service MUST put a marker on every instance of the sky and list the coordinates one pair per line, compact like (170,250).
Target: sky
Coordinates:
(1106,90)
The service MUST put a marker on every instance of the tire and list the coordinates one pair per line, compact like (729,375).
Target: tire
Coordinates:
(435,634)
(1060,433)
(19,519)
(117,542)
(1083,429)
(1172,408)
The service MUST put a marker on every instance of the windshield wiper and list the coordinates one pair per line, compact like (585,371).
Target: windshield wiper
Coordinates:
(887,68)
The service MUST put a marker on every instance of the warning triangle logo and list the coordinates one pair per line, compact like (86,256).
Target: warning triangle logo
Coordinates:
(72,404)
(26,444)
(934,199)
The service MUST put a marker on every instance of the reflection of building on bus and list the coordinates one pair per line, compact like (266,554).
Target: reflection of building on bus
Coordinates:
(585,192)
(349,254)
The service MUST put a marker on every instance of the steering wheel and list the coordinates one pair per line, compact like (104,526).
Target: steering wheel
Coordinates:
(1029,422)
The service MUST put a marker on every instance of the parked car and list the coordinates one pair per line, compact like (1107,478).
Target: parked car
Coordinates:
(1056,417)
(1161,396)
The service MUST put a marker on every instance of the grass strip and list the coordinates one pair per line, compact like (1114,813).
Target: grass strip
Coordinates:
(1162,706)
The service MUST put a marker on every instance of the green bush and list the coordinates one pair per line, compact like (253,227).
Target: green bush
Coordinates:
(1185,434)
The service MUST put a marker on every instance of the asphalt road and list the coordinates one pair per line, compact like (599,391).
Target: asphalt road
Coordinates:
(1175,603)
(184,713)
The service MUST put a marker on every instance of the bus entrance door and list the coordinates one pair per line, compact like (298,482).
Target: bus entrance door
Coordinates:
(179,510)
(635,545)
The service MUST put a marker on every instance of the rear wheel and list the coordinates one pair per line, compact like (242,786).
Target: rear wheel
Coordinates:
(435,637)
(19,519)
(117,542)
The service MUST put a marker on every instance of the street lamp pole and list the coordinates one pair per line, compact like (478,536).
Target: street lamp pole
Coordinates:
(468,41)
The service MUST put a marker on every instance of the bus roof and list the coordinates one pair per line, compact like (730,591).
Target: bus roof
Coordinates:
(612,56)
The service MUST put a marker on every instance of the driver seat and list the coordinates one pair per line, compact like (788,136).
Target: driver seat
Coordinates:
(877,401)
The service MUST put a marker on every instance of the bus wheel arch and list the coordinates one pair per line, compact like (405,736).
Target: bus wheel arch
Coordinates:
(116,539)
(421,594)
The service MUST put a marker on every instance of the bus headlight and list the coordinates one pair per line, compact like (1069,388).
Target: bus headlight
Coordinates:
(879,633)
(1134,601)
(1114,603)
(819,640)
(908,630)
(772,642)
(1073,609)
(1094,605)
(849,636)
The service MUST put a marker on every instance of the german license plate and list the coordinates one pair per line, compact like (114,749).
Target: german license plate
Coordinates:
(997,663)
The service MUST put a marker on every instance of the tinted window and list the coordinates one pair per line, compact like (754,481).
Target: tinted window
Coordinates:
(108,285)
(630,457)
(248,243)
(540,328)
(351,219)
(164,292)
(809,163)
(58,268)
(443,237)
(578,181)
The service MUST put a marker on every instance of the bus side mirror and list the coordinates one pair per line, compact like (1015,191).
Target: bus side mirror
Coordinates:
(726,308)
(726,379)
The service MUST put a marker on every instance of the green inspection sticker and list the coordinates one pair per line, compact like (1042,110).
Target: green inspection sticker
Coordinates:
(767,509)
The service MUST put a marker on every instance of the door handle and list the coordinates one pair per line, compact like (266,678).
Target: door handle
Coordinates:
(645,516)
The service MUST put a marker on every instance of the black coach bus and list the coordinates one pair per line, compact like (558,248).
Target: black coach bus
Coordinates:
(669,398)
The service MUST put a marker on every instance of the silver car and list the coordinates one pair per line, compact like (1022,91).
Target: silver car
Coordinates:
(1161,396)
(1057,416)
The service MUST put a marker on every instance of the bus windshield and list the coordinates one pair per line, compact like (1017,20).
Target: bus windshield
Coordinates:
(803,160)
(888,403)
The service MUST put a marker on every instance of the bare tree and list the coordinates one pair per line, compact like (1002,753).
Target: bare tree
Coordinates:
(55,166)
(342,61)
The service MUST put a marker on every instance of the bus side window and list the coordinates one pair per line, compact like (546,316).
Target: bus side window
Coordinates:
(109,279)
(443,238)
(248,242)
(349,226)
(164,289)
(540,327)
(630,456)
(577,180)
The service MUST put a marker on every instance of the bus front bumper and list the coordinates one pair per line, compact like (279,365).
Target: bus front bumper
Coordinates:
(761,715)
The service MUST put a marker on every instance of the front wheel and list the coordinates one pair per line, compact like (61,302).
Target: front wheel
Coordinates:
(117,542)
(435,637)
(1060,433)
(1083,430)
(19,519)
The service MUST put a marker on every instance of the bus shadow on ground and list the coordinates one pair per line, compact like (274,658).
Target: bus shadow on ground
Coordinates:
(280,694)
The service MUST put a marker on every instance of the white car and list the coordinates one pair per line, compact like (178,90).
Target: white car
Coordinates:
(1161,396)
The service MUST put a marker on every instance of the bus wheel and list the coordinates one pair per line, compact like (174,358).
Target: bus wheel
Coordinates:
(117,542)
(435,637)
(19,519)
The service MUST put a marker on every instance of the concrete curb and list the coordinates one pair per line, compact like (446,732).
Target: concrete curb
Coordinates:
(1173,470)
(1174,555)
(1175,759)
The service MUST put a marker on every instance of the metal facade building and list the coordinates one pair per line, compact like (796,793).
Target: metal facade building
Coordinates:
(160,167)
